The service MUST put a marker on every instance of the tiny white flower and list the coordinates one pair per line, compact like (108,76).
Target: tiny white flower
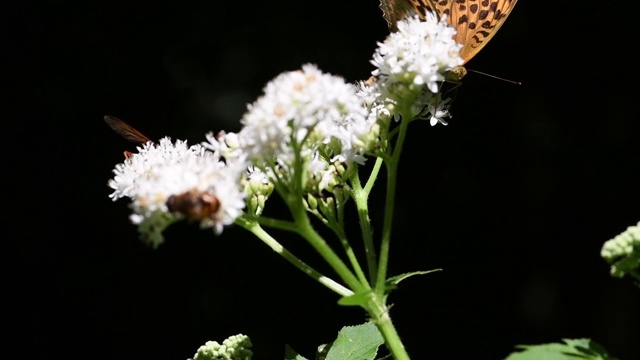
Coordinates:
(439,111)
(228,145)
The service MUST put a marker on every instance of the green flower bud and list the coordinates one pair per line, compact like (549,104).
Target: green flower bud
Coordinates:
(312,202)
(623,252)
(236,347)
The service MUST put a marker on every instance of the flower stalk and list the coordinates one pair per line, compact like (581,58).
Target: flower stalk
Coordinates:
(305,140)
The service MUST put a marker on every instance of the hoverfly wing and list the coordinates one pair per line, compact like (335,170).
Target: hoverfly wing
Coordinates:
(125,130)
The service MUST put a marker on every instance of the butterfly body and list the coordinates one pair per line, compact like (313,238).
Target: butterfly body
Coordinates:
(475,21)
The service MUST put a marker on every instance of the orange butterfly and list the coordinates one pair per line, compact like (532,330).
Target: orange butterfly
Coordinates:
(475,21)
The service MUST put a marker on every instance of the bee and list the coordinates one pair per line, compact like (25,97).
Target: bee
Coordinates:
(194,204)
(126,131)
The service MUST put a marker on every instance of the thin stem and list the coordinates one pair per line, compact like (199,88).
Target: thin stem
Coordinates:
(374,176)
(361,198)
(295,202)
(339,232)
(258,231)
(353,260)
(392,172)
(306,230)
(277,224)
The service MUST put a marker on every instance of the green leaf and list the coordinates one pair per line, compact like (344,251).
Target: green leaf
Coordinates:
(393,281)
(357,299)
(358,342)
(572,349)
(290,354)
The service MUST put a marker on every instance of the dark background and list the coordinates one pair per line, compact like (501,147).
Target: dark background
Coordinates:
(514,198)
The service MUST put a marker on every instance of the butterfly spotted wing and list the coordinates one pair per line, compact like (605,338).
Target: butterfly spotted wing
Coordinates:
(475,21)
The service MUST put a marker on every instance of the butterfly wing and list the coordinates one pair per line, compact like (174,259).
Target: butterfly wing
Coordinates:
(476,21)
(395,10)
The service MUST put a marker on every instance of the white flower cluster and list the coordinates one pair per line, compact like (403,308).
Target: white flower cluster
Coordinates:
(304,118)
(412,62)
(161,171)
(419,53)
(302,110)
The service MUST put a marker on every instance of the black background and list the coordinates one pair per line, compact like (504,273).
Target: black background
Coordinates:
(514,198)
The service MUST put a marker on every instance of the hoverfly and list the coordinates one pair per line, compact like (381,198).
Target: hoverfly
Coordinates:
(126,131)
(193,204)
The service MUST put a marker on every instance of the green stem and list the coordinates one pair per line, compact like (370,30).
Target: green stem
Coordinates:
(277,224)
(294,199)
(306,230)
(258,231)
(392,172)
(373,176)
(361,198)
(353,260)
(338,229)
(380,316)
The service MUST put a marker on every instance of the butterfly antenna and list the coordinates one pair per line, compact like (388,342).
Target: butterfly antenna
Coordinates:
(496,77)
(453,88)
